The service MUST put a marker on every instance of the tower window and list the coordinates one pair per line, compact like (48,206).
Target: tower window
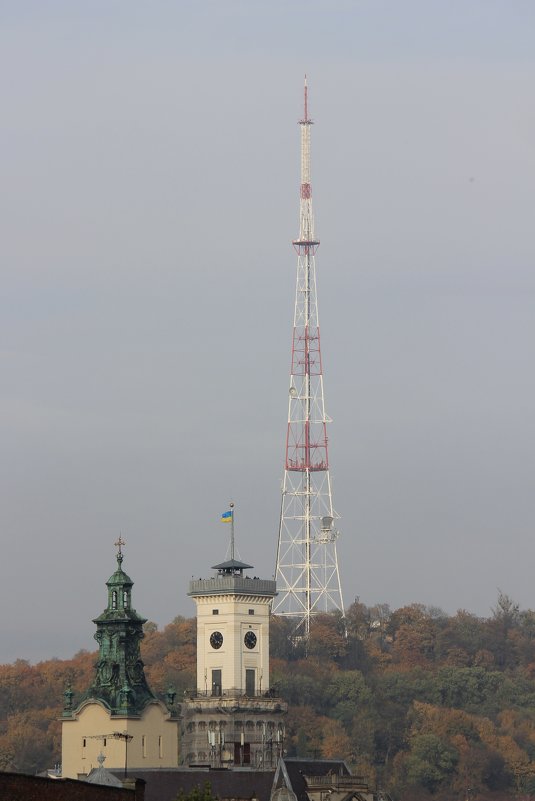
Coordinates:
(251,611)
(125,599)
(215,611)
(250,682)
(114,599)
(216,682)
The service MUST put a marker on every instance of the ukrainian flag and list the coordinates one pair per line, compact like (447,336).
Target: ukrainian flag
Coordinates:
(226,517)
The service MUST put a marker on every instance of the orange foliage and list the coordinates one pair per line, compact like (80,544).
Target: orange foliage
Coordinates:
(335,741)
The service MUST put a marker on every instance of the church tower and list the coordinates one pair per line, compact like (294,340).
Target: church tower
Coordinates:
(119,715)
(232,719)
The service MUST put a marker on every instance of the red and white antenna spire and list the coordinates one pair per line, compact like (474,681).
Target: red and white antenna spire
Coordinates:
(307,575)
(306,223)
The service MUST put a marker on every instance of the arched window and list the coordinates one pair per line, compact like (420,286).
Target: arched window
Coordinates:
(114,599)
(125,599)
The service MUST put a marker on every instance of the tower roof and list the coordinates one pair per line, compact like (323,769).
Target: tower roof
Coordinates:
(230,579)
(119,577)
(102,776)
(232,566)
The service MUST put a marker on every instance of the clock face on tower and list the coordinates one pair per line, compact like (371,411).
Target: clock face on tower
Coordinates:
(250,639)
(216,639)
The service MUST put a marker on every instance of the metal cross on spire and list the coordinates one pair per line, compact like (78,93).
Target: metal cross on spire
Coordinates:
(119,544)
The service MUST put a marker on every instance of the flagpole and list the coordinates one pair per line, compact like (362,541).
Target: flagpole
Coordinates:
(231,505)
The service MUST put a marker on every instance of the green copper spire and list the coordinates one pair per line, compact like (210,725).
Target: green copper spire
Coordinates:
(119,681)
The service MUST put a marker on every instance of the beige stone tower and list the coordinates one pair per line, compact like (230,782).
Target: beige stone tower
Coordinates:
(233,718)
(119,715)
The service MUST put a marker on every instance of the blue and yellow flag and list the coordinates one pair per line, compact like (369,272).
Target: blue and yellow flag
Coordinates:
(226,517)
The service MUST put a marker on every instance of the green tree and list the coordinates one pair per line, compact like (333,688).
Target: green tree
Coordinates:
(431,761)
(346,691)
(198,793)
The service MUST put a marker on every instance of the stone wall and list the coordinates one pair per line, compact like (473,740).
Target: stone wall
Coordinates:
(19,787)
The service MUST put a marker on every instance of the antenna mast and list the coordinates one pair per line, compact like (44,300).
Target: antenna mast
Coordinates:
(307,574)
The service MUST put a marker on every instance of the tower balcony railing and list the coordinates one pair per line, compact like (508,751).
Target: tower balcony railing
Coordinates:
(239,584)
(301,464)
(233,693)
(333,781)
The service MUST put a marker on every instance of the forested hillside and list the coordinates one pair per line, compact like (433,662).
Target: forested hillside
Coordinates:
(424,704)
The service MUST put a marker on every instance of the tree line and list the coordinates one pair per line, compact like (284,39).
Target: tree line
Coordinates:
(424,704)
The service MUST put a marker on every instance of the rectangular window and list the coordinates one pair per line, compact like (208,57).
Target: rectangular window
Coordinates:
(143,745)
(216,682)
(215,611)
(84,743)
(160,746)
(104,742)
(251,611)
(249,682)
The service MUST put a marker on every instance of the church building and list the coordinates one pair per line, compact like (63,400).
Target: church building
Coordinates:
(119,715)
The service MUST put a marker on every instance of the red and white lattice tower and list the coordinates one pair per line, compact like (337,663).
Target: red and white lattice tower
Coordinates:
(307,574)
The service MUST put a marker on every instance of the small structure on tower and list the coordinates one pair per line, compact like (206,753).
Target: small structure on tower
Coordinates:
(119,715)
(232,718)
(307,573)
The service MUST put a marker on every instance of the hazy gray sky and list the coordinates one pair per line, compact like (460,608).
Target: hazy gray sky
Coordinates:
(149,169)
